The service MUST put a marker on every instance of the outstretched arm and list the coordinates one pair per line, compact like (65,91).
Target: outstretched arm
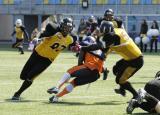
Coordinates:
(50,30)
(91,47)
(13,33)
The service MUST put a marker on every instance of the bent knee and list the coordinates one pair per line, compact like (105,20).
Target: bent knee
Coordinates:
(121,80)
(94,78)
(115,70)
(23,76)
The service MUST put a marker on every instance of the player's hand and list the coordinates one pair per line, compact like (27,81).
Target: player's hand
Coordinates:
(76,48)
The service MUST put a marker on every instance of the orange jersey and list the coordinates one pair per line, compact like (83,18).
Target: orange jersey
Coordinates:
(93,60)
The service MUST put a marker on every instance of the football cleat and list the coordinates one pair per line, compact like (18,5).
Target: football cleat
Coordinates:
(120,91)
(53,99)
(157,74)
(15,97)
(54,90)
(141,95)
(131,106)
(22,52)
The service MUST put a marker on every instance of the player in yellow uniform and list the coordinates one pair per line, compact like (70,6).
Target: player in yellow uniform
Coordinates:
(117,23)
(56,38)
(19,31)
(117,40)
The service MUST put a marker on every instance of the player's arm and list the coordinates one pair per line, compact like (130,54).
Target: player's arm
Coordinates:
(107,41)
(14,32)
(25,32)
(91,47)
(50,30)
(119,22)
(81,57)
(110,40)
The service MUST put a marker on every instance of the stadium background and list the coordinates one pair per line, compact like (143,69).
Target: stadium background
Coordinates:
(36,11)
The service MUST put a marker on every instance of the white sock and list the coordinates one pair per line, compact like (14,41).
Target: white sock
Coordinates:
(63,79)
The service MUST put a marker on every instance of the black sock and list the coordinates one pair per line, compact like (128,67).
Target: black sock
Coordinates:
(24,86)
(21,50)
(146,106)
(128,86)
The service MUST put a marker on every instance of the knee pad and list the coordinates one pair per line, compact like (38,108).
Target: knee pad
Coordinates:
(69,87)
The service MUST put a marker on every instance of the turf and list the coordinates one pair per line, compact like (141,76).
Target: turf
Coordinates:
(97,99)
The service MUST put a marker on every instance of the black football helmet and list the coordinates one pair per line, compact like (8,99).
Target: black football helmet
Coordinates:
(106,27)
(109,14)
(66,26)
(92,19)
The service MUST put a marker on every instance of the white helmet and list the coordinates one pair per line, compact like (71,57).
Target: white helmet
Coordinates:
(18,22)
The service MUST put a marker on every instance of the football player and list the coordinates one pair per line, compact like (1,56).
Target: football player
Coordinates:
(55,39)
(117,23)
(91,25)
(19,30)
(93,30)
(109,16)
(148,99)
(117,40)
(90,64)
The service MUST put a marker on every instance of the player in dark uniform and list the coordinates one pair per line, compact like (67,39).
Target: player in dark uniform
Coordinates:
(93,29)
(117,40)
(90,64)
(151,95)
(109,16)
(91,24)
(56,38)
(19,30)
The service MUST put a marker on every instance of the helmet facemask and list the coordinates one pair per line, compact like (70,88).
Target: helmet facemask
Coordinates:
(66,26)
(106,28)
(109,14)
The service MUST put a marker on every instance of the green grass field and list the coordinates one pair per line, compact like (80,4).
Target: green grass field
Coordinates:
(98,99)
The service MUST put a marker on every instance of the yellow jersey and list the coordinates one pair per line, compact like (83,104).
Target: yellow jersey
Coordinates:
(19,33)
(51,46)
(127,48)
